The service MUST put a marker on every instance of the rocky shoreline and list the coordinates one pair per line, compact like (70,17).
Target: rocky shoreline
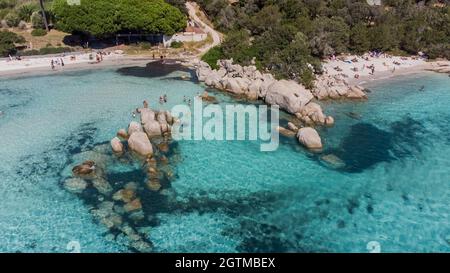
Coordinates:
(289,95)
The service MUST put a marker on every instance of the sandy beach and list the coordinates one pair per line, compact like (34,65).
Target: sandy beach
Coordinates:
(358,69)
(42,65)
(384,66)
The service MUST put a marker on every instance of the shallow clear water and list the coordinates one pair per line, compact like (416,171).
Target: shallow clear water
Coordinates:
(229,196)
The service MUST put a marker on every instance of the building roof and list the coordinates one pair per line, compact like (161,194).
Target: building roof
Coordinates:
(196,30)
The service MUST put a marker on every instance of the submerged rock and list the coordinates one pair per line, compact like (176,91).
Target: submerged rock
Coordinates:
(309,138)
(133,205)
(154,185)
(163,147)
(111,221)
(75,185)
(141,246)
(285,132)
(87,168)
(209,99)
(125,195)
(137,216)
(333,161)
(102,186)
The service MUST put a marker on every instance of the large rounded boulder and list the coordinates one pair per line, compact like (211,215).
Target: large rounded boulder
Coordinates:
(309,138)
(139,143)
(288,95)
(152,128)
(134,127)
(116,145)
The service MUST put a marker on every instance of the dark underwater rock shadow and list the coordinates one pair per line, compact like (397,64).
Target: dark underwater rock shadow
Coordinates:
(155,69)
(367,145)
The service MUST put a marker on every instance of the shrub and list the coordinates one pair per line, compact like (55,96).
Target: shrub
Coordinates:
(54,50)
(29,52)
(3,13)
(212,56)
(176,44)
(12,19)
(46,50)
(7,40)
(38,32)
(36,20)
(145,46)
(25,11)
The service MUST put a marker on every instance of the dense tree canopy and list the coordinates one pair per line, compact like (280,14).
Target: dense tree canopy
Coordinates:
(286,35)
(7,42)
(103,18)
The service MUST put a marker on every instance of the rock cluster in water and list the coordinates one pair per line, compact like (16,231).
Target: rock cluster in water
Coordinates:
(287,94)
(307,136)
(118,206)
(249,82)
(336,87)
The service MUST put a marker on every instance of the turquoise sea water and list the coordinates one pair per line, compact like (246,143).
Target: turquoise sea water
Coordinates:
(229,196)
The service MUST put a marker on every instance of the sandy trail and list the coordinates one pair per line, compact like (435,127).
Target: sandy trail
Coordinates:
(193,8)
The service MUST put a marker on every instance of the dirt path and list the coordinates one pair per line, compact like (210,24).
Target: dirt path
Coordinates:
(193,8)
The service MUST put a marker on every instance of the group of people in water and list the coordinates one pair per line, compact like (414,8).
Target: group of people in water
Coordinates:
(163,99)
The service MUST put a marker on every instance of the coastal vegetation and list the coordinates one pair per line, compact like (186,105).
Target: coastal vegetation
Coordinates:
(103,18)
(38,32)
(48,24)
(289,37)
(7,42)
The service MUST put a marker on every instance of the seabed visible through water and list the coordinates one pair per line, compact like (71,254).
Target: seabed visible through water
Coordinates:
(391,186)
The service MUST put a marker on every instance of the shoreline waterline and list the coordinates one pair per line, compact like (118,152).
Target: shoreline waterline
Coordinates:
(105,64)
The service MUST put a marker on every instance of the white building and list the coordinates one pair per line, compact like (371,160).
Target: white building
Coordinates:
(192,33)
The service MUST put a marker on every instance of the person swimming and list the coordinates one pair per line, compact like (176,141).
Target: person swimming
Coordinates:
(165,98)
(422,88)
